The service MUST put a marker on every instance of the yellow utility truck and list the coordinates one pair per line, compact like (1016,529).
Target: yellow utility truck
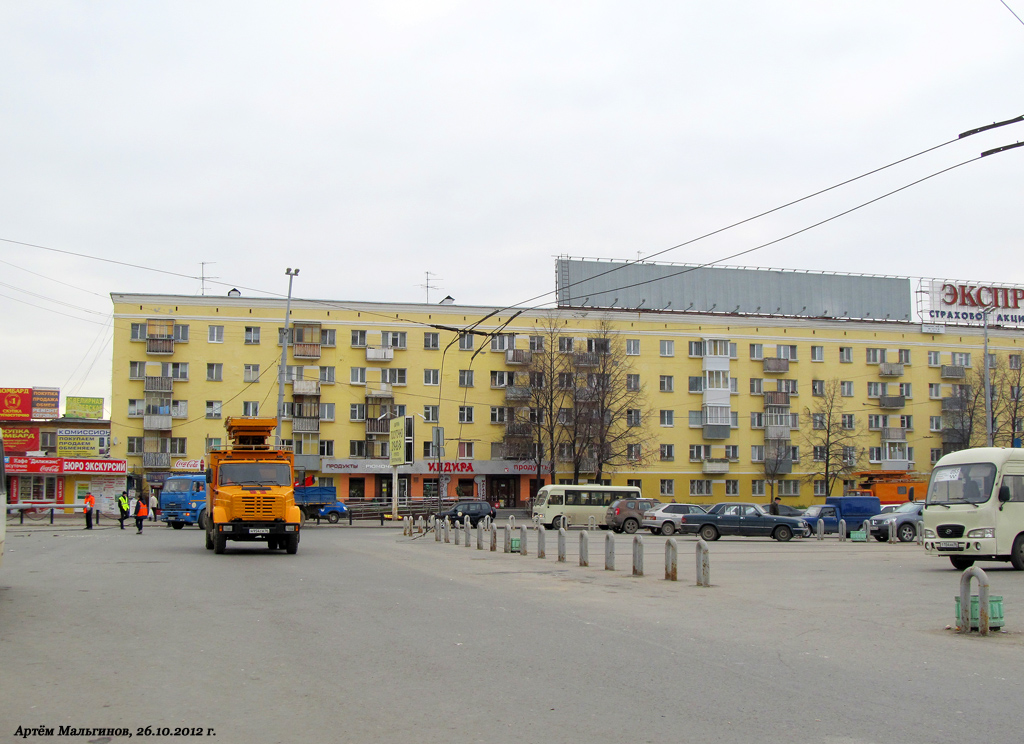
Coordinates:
(250,489)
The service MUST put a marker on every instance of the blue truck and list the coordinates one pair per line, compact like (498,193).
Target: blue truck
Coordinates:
(854,509)
(319,502)
(183,500)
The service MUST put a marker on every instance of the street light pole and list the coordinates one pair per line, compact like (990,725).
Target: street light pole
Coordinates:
(284,354)
(988,384)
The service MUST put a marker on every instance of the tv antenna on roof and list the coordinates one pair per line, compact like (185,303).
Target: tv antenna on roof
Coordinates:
(427,285)
(202,275)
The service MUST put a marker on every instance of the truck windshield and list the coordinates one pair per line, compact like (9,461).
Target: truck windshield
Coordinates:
(813,511)
(177,486)
(962,484)
(255,474)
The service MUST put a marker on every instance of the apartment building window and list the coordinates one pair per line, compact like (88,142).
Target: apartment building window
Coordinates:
(252,335)
(665,383)
(138,332)
(1014,361)
(175,370)
(667,487)
(732,487)
(757,488)
(357,448)
(357,375)
(632,347)
(757,351)
(135,445)
(215,372)
(696,348)
(818,388)
(465,414)
(699,452)
(178,446)
(251,373)
(431,340)
(565,416)
(668,452)
(700,487)
(818,421)
(877,421)
(818,453)
(732,452)
(565,344)
(392,339)
(935,423)
(757,453)
(633,452)
(819,488)
(961,359)
(359,339)
(179,409)
(756,419)
(876,389)
(394,376)
(846,388)
(907,390)
(250,408)
(846,354)
(848,421)
(180,332)
(934,390)
(287,409)
(213,443)
(817,353)
(667,348)
(500,379)
(786,351)
(465,378)
(537,343)
(430,414)
(633,417)
(136,407)
(787,386)
(935,454)
(499,414)
(934,359)
(696,384)
(431,377)
(756,386)
(907,422)
(327,412)
(717,380)
(632,383)
(903,356)
(466,342)
(326,448)
(668,418)
(328,337)
(875,356)
(215,334)
(874,454)
(327,375)
(465,450)
(536,416)
(789,487)
(503,342)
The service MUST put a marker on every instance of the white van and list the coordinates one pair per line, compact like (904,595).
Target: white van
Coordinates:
(561,506)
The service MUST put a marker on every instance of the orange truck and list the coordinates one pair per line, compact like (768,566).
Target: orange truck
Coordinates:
(249,489)
(890,486)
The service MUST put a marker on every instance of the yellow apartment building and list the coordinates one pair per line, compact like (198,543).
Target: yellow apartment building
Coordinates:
(720,395)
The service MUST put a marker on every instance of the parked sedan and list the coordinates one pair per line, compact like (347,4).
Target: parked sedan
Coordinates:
(667,518)
(473,510)
(749,520)
(908,519)
(785,510)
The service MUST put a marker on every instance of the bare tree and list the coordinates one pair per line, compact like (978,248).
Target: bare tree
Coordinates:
(832,440)
(963,414)
(777,462)
(546,398)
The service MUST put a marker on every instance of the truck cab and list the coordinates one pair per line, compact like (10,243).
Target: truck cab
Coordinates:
(854,509)
(183,501)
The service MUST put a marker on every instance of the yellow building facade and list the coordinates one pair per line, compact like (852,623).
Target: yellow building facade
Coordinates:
(719,392)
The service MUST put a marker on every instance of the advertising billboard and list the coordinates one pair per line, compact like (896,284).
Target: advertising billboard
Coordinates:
(89,408)
(79,442)
(21,439)
(45,403)
(15,404)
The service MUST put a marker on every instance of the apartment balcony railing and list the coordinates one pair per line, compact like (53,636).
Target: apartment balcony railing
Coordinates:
(953,372)
(776,398)
(510,451)
(159,345)
(954,404)
(890,369)
(378,426)
(305,425)
(379,353)
(306,351)
(892,401)
(519,429)
(775,365)
(156,422)
(715,466)
(517,393)
(587,359)
(776,431)
(716,431)
(156,460)
(894,434)
(380,390)
(518,356)
(158,384)
(306,387)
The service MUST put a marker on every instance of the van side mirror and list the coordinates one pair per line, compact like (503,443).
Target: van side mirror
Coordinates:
(910,494)
(209,475)
(1004,494)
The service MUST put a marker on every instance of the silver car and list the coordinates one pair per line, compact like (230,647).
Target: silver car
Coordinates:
(907,519)
(668,518)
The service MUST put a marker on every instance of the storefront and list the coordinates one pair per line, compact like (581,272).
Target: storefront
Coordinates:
(65,480)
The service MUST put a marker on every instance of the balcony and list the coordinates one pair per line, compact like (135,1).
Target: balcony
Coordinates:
(306,351)
(890,369)
(894,434)
(953,372)
(775,365)
(159,345)
(378,426)
(776,431)
(159,384)
(715,466)
(513,450)
(955,404)
(895,465)
(378,353)
(892,401)
(587,359)
(383,390)
(161,422)
(156,460)
(717,431)
(776,398)
(305,425)
(309,463)
(519,429)
(517,393)
(306,387)
(518,356)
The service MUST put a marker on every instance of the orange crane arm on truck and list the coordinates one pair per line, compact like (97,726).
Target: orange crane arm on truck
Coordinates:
(250,492)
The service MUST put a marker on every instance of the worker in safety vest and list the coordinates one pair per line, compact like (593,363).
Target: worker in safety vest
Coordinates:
(122,506)
(90,504)
(141,512)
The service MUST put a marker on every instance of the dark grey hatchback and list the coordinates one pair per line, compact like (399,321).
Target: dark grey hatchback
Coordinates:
(474,511)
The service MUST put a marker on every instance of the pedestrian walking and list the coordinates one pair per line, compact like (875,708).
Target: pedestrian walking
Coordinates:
(122,506)
(141,512)
(90,503)
(154,506)
(773,508)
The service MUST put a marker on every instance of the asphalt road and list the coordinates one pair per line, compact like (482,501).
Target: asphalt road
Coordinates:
(369,636)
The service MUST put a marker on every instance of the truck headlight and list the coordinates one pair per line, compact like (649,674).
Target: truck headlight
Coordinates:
(930,533)
(982,532)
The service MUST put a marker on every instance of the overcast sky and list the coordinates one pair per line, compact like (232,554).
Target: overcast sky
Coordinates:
(369,143)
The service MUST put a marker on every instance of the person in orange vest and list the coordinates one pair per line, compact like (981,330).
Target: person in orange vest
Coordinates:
(90,503)
(141,512)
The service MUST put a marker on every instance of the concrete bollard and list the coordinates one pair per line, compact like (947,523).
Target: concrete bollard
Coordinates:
(522,540)
(919,533)
(671,560)
(591,522)
(480,535)
(508,538)
(541,539)
(561,545)
(965,600)
(609,551)
(892,531)
(447,530)
(584,548)
(437,529)
(468,527)
(458,532)
(638,555)
(493,532)
(820,532)
(704,563)
(842,530)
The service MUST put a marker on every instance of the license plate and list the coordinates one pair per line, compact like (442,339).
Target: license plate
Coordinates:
(259,530)
(948,545)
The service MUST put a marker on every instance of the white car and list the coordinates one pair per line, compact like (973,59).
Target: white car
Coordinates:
(668,518)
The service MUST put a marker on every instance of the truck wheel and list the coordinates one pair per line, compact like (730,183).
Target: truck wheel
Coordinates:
(630,526)
(906,532)
(209,539)
(333,517)
(667,529)
(960,563)
(1017,553)
(783,533)
(202,520)
(177,525)
(220,542)
(291,544)
(708,533)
